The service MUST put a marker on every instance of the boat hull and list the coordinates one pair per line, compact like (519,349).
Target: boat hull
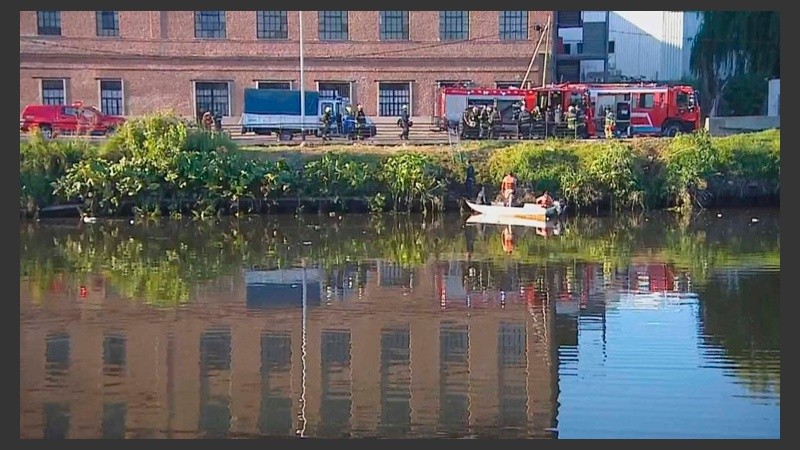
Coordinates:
(528,211)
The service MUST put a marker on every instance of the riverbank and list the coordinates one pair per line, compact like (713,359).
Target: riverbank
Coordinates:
(156,166)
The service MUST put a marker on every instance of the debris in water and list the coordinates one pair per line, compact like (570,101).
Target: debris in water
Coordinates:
(719,214)
(754,220)
(306,242)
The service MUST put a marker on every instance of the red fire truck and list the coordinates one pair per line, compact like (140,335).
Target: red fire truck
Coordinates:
(646,109)
(639,109)
(451,102)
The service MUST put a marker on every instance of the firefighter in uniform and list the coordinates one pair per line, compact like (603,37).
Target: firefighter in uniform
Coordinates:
(494,121)
(610,122)
(572,121)
(326,119)
(361,121)
(468,122)
(484,120)
(405,122)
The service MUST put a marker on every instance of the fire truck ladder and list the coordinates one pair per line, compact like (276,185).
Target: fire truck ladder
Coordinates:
(454,138)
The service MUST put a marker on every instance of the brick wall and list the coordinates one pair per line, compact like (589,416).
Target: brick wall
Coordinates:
(158,57)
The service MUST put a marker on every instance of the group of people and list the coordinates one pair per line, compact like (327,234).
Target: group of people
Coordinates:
(480,120)
(508,189)
(329,118)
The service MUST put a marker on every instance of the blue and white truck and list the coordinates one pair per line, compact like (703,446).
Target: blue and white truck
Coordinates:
(268,111)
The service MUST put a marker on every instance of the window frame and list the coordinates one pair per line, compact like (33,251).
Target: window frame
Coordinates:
(385,109)
(349,85)
(42,20)
(101,31)
(121,98)
(279,18)
(290,84)
(508,18)
(446,34)
(394,26)
(42,97)
(324,28)
(195,86)
(222,25)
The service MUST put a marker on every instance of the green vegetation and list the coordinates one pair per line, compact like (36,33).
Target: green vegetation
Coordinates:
(157,165)
(733,55)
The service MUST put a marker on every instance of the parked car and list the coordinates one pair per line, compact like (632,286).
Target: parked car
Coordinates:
(53,120)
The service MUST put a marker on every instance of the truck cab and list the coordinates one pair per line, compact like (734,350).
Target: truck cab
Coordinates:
(344,119)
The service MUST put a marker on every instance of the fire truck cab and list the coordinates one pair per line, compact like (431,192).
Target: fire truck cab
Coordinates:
(646,109)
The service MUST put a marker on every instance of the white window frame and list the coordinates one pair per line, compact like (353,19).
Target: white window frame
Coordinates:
(440,82)
(257,82)
(194,95)
(410,96)
(350,83)
(100,94)
(63,89)
(517,84)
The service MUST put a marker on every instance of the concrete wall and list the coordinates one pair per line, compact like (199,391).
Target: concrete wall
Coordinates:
(724,126)
(774,99)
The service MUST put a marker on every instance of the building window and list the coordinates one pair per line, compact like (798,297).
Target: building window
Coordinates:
(209,24)
(333,26)
(513,25)
(392,97)
(114,415)
(611,47)
(53,92)
(111,97)
(283,85)
(394,25)
(646,100)
(569,19)
(48,23)
(272,25)
(579,48)
(507,84)
(567,49)
(453,25)
(57,351)
(107,23)
(330,89)
(454,83)
(213,97)
(114,350)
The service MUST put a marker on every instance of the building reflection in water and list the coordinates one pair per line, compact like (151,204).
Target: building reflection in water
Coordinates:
(449,349)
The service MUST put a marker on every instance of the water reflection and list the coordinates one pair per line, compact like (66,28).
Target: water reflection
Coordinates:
(393,329)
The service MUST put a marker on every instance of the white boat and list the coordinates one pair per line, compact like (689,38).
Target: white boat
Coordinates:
(528,211)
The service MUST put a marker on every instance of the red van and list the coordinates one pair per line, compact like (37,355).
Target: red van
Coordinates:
(53,120)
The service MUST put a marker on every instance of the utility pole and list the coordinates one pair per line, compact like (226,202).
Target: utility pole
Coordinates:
(302,84)
(546,52)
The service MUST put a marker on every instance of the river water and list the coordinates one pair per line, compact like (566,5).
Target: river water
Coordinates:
(638,326)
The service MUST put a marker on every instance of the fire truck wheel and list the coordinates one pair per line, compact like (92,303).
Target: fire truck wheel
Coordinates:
(671,129)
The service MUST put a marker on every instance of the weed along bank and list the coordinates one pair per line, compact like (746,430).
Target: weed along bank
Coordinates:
(157,165)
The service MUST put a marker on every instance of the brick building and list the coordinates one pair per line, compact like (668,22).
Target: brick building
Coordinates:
(109,366)
(135,62)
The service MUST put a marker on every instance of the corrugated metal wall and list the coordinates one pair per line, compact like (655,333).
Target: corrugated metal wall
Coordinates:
(672,46)
(638,48)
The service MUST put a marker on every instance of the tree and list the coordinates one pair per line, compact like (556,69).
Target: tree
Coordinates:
(731,43)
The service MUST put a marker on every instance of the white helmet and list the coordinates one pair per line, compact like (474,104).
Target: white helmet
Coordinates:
(328,109)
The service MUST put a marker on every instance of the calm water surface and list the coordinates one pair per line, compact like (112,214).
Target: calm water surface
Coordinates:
(634,327)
